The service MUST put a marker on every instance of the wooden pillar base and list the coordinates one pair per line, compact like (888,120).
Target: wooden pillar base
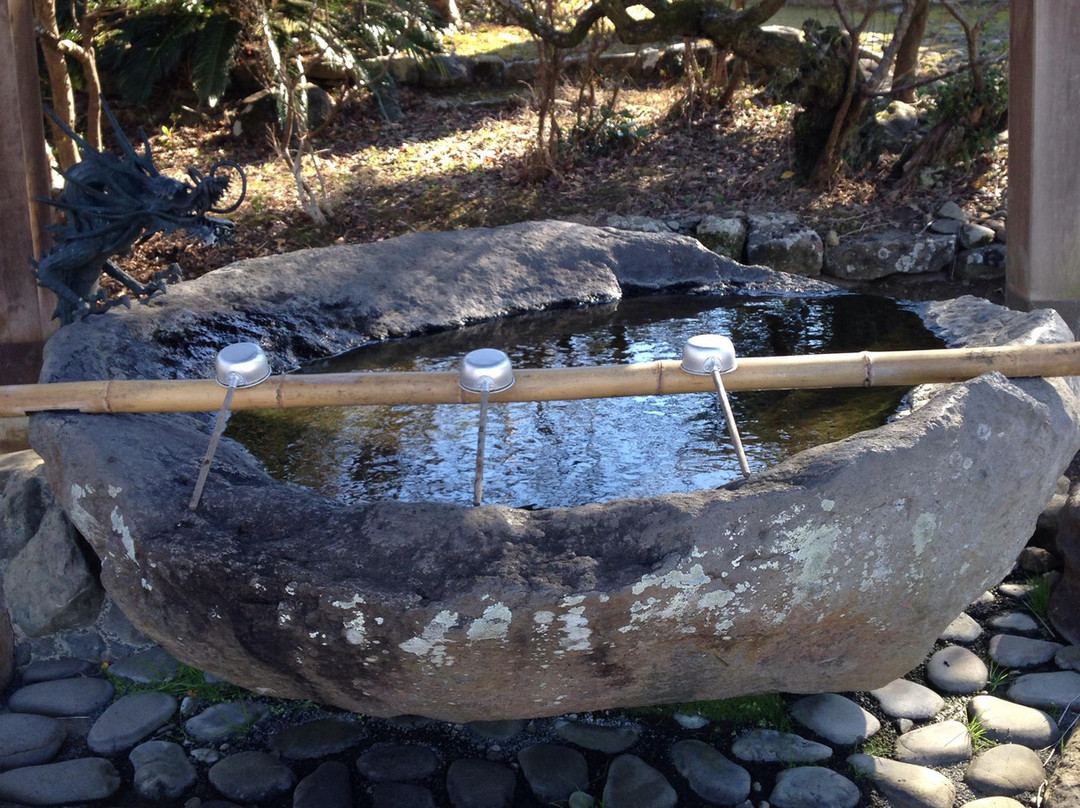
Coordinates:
(20,362)
(1044,157)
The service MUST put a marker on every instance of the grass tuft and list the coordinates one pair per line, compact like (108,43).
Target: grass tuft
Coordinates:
(766,711)
(980,742)
(188,681)
(997,676)
(1037,596)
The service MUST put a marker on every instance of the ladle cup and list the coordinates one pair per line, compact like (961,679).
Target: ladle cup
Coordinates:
(713,355)
(484,371)
(242,364)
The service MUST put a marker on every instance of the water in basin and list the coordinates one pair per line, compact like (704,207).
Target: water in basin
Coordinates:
(560,453)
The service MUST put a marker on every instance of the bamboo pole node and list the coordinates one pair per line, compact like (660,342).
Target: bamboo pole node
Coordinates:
(868,369)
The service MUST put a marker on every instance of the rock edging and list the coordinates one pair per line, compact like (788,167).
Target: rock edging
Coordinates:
(968,251)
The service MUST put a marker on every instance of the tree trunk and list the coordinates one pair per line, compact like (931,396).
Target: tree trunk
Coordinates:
(446,11)
(907,55)
(63,97)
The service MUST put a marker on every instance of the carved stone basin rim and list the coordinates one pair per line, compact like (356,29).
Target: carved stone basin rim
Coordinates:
(795,581)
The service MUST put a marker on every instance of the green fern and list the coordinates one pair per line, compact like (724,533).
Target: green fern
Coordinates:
(215,48)
(155,49)
(149,43)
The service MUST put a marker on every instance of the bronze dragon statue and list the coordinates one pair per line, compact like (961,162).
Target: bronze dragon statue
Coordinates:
(111,202)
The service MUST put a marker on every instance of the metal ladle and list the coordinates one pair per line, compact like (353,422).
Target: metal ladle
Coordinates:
(713,355)
(242,364)
(484,371)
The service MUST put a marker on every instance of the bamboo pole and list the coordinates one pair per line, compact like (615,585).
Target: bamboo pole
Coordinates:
(663,377)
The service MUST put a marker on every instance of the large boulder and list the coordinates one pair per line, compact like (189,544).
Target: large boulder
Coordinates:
(891,252)
(793,581)
(780,241)
(48,582)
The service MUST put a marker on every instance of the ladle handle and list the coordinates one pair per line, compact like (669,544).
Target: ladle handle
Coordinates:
(481,438)
(733,430)
(215,436)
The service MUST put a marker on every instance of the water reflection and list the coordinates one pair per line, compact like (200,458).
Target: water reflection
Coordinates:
(544,454)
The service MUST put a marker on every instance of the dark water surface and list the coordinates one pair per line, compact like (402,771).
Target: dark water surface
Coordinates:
(559,453)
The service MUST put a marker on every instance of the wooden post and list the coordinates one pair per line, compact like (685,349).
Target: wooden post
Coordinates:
(1044,157)
(25,309)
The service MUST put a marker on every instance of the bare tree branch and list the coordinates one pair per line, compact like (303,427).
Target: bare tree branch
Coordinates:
(914,85)
(885,65)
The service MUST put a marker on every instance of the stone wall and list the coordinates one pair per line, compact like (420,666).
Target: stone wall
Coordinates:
(951,244)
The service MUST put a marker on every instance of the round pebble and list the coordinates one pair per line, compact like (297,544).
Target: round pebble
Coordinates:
(772,746)
(1013,651)
(62,697)
(1037,560)
(207,756)
(633,783)
(147,667)
(695,721)
(396,762)
(1015,591)
(163,772)
(598,737)
(1005,771)
(905,783)
(129,720)
(64,783)
(1015,622)
(902,698)
(836,718)
(1055,690)
(327,787)
(51,669)
(319,738)
(480,784)
(957,670)
(27,739)
(813,787)
(1006,722)
(553,771)
(225,720)
(963,629)
(711,775)
(580,799)
(398,795)
(251,776)
(1068,658)
(943,744)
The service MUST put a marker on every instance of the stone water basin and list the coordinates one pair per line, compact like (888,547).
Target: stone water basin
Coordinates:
(559,453)
(792,581)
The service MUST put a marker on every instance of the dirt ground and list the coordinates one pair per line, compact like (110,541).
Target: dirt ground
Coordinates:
(457,161)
